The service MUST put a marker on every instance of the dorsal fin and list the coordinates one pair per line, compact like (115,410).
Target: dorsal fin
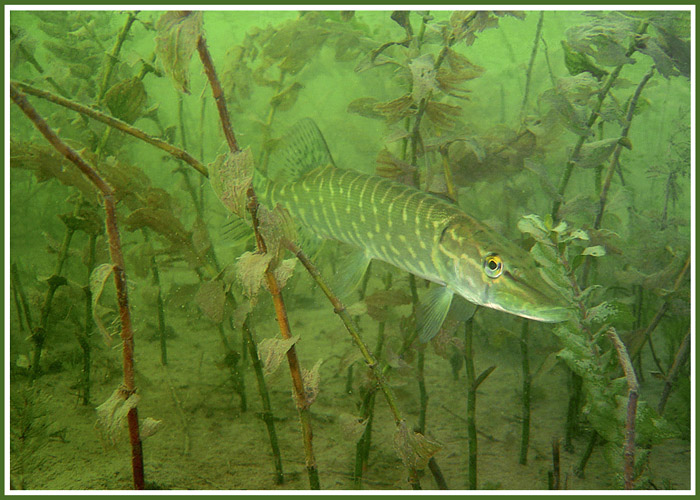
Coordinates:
(301,150)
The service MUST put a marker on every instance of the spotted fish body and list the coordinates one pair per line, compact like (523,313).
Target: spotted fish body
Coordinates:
(410,229)
(391,222)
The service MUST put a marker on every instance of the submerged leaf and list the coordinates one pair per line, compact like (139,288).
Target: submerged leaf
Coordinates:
(250,269)
(211,299)
(178,35)
(443,115)
(287,97)
(593,154)
(126,100)
(397,109)
(414,449)
(365,106)
(98,279)
(273,351)
(424,77)
(231,175)
(312,382)
(113,411)
(594,251)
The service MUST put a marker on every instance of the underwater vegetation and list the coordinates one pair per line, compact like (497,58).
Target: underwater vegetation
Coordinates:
(465,233)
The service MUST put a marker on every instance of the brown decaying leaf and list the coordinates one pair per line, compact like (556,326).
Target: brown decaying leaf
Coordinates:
(250,269)
(284,271)
(312,382)
(162,222)
(98,279)
(364,106)
(272,351)
(113,411)
(413,448)
(397,109)
(178,35)
(351,428)
(230,176)
(211,299)
(442,115)
(47,163)
(392,168)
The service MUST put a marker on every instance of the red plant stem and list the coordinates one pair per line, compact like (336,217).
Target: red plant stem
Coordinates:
(633,396)
(114,123)
(272,283)
(127,333)
(205,56)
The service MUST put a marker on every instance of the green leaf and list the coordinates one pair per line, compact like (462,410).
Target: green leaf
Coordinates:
(533,225)
(593,154)
(286,98)
(126,100)
(178,35)
(594,251)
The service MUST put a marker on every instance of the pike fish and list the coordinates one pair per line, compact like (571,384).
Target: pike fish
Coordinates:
(413,230)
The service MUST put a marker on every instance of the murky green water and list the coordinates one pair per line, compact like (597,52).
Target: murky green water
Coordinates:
(566,133)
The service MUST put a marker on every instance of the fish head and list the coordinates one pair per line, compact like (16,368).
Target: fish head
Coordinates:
(487,269)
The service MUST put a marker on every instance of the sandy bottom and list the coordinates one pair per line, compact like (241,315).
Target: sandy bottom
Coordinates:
(206,442)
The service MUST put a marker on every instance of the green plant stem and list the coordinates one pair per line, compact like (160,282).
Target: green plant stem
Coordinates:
(592,118)
(115,252)
(581,465)
(556,467)
(114,123)
(575,384)
(527,381)
(84,339)
(38,336)
(17,285)
(528,74)
(471,405)
(611,167)
(113,57)
(350,326)
(266,415)
(678,361)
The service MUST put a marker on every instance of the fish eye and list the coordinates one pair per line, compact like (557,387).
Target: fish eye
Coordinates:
(493,266)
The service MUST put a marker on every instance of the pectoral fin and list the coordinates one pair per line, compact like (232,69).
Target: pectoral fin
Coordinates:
(350,272)
(432,311)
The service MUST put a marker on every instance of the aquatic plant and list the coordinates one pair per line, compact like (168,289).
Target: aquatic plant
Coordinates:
(601,245)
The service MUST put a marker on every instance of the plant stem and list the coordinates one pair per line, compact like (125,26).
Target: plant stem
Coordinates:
(592,118)
(266,414)
(17,284)
(581,466)
(114,56)
(678,362)
(525,433)
(272,284)
(556,468)
(38,336)
(115,123)
(533,54)
(618,149)
(471,405)
(84,339)
(115,252)
(633,396)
